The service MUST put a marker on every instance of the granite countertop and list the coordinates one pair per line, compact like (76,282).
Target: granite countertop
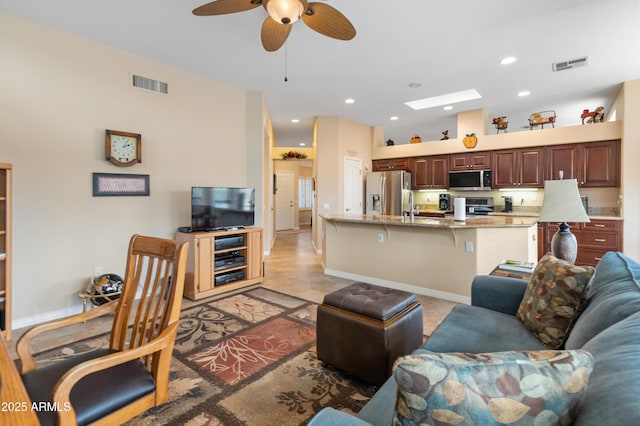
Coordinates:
(437,222)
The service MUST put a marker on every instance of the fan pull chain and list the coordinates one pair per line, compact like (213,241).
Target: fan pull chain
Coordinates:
(285,63)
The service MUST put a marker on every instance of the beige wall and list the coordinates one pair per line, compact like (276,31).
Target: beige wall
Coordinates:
(337,138)
(59,93)
(630,168)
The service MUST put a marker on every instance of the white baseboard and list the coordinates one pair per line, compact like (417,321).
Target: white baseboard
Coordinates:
(44,317)
(54,315)
(401,286)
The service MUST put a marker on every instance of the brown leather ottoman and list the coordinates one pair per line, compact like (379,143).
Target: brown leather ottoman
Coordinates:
(362,329)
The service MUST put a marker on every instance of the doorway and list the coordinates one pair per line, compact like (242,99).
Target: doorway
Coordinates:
(353,185)
(285,196)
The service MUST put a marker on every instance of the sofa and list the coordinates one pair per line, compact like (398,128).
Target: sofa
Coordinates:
(606,327)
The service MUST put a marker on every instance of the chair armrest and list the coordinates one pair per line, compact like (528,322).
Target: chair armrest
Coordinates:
(23,343)
(331,417)
(501,294)
(62,389)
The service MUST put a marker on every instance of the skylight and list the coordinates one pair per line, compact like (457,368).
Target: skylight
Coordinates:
(450,98)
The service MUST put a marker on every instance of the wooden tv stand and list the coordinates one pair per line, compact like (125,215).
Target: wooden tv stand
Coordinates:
(222,261)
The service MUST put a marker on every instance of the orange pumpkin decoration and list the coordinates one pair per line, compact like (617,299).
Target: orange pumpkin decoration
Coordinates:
(470,140)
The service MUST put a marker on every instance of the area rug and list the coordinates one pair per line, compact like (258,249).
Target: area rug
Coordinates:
(245,359)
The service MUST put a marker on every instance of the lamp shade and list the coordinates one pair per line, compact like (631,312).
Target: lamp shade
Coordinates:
(285,11)
(562,202)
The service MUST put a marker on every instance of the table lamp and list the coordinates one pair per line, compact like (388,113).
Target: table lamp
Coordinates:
(562,203)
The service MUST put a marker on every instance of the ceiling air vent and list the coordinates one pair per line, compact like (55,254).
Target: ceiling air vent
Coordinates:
(150,84)
(570,64)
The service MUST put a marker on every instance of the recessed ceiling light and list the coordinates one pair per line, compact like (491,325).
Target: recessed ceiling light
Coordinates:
(448,107)
(302,144)
(295,120)
(508,60)
(394,118)
(415,85)
(524,93)
(450,98)
(349,101)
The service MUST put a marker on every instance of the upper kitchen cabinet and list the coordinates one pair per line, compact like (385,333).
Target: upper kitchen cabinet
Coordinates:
(471,160)
(593,164)
(390,164)
(518,168)
(429,172)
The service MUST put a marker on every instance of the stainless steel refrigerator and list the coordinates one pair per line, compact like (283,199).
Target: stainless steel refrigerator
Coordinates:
(388,193)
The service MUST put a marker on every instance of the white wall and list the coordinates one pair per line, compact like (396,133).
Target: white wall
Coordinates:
(59,93)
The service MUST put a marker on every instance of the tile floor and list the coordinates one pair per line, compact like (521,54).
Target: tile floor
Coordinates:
(293,268)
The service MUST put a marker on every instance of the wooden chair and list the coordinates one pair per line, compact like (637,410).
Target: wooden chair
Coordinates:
(112,385)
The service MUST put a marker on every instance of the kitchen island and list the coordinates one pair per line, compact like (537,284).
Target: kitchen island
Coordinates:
(431,256)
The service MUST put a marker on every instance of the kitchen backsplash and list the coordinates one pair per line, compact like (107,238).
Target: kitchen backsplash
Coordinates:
(602,201)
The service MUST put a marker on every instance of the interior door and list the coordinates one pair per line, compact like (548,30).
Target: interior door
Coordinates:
(352,186)
(285,198)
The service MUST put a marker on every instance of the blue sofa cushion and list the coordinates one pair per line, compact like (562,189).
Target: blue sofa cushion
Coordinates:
(473,329)
(536,388)
(554,299)
(613,295)
(614,385)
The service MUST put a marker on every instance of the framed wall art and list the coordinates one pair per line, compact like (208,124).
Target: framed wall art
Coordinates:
(118,185)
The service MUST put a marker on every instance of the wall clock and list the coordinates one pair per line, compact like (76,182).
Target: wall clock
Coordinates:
(123,148)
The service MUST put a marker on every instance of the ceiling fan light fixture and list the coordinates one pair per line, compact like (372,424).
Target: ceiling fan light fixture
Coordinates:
(285,11)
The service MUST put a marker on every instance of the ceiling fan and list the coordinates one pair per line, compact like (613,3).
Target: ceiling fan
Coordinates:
(276,27)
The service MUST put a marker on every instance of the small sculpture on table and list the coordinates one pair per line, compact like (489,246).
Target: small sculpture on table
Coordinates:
(445,135)
(595,116)
(501,123)
(415,139)
(541,118)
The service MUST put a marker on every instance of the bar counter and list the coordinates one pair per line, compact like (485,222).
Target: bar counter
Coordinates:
(448,221)
(424,255)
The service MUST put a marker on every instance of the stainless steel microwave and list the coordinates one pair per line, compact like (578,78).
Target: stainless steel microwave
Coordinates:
(470,180)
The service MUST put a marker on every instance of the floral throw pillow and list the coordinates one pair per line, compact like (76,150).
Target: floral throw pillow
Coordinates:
(553,299)
(527,388)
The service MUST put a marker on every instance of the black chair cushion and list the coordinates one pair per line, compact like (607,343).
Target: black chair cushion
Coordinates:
(94,396)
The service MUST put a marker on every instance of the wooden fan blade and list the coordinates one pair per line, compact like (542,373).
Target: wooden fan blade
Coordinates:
(274,34)
(328,21)
(221,7)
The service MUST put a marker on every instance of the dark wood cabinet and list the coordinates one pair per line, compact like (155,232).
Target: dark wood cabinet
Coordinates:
(471,160)
(600,164)
(564,160)
(593,164)
(518,168)
(390,164)
(430,172)
(594,238)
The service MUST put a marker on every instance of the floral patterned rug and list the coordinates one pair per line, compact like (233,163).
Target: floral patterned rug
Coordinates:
(246,359)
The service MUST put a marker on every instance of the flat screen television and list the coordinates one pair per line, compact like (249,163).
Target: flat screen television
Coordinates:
(217,208)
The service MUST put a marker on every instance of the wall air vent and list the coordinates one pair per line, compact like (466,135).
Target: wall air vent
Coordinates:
(150,84)
(570,64)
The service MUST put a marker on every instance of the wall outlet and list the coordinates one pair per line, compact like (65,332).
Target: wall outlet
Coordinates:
(468,246)
(380,237)
(325,206)
(97,271)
